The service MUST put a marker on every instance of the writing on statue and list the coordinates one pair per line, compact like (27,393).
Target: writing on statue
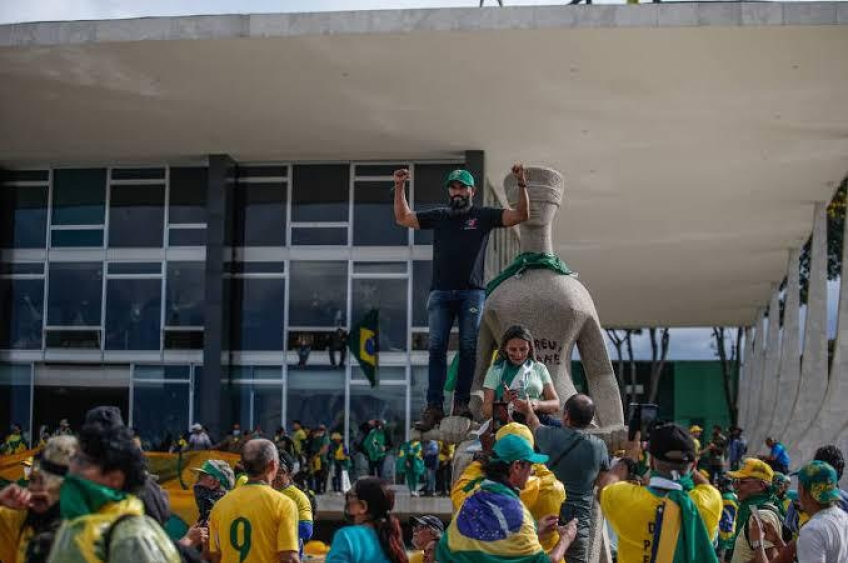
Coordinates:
(548,351)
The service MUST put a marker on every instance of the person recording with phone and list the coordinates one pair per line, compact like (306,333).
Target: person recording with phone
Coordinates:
(577,459)
(515,375)
(676,517)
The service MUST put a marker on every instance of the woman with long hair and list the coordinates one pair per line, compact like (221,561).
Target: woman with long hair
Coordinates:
(515,374)
(375,536)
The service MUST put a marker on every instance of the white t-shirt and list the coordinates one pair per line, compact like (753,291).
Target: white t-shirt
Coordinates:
(824,539)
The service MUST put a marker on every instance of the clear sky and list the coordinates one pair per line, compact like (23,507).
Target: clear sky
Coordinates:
(53,10)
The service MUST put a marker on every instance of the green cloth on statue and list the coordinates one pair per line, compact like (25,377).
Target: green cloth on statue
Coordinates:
(529,261)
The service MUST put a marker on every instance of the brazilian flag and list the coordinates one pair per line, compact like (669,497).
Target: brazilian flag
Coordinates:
(363,343)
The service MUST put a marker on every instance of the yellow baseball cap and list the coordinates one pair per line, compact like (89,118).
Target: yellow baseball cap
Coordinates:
(753,468)
(694,429)
(516,429)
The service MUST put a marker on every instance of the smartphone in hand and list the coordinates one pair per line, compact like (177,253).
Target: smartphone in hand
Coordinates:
(500,415)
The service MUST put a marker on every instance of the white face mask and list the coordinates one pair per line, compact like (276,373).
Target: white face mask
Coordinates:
(27,471)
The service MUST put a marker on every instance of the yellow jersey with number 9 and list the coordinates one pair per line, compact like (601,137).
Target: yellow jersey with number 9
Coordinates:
(253,524)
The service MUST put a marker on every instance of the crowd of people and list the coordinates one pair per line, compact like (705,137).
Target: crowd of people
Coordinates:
(538,489)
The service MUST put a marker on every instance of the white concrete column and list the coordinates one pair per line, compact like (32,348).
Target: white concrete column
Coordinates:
(756,376)
(790,351)
(814,377)
(744,388)
(832,419)
(768,385)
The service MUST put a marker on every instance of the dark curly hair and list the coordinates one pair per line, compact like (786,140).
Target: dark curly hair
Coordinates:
(381,501)
(832,455)
(112,448)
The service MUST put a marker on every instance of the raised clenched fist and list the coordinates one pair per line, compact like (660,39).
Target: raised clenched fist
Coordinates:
(518,172)
(400,177)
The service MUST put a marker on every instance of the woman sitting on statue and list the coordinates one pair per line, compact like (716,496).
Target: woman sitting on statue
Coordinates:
(515,374)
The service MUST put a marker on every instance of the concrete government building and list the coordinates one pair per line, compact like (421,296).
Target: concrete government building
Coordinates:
(186,202)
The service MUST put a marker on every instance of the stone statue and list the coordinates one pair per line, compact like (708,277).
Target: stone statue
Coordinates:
(556,308)
(560,313)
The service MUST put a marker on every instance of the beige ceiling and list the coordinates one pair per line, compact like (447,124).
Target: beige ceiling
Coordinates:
(692,155)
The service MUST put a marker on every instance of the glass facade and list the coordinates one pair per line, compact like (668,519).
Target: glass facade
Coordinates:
(122,274)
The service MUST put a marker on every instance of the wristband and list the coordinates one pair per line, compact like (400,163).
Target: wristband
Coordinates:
(756,544)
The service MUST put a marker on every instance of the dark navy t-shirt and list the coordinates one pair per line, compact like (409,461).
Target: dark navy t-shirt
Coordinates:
(459,245)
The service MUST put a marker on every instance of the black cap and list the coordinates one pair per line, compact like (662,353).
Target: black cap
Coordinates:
(671,442)
(429,521)
(107,416)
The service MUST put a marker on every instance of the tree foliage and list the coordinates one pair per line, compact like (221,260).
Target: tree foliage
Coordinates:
(835,234)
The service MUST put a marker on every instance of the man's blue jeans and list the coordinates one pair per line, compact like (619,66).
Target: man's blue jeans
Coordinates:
(443,307)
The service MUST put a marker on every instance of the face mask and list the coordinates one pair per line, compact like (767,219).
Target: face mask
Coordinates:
(206,499)
(27,472)
(236,432)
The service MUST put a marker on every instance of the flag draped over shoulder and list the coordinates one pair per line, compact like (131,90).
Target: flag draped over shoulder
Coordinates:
(492,525)
(363,343)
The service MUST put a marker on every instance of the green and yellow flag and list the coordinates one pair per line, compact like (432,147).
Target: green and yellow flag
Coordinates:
(363,343)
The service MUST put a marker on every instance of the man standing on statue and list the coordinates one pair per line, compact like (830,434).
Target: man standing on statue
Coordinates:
(461,232)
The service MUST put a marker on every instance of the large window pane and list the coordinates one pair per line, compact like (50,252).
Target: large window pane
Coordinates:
(322,236)
(422,279)
(187,195)
(430,192)
(76,238)
(136,216)
(386,403)
(21,313)
(316,396)
(160,412)
(255,404)
(389,296)
(318,294)
(79,196)
(321,192)
(260,215)
(76,293)
(15,394)
(373,216)
(23,217)
(257,313)
(185,294)
(133,314)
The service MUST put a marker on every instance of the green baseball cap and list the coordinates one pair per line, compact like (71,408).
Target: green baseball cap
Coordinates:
(819,480)
(512,448)
(780,478)
(461,176)
(219,470)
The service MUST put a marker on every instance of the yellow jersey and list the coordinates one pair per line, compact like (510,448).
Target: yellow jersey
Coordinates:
(304,507)
(13,537)
(632,509)
(253,524)
(416,557)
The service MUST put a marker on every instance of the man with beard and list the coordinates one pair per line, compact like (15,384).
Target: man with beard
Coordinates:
(461,233)
(29,518)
